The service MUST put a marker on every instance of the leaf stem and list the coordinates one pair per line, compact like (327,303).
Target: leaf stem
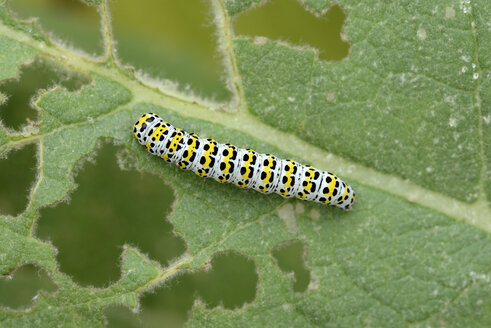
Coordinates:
(225,39)
(107,31)
(165,273)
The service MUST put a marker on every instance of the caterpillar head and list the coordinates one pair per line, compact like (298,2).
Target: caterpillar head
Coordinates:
(143,126)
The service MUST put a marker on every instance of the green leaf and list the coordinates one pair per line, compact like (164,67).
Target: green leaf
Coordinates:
(404,118)
(60,108)
(17,53)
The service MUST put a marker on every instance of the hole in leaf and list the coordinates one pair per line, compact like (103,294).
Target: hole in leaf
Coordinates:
(40,74)
(110,208)
(174,40)
(119,316)
(290,258)
(19,290)
(231,282)
(288,20)
(17,175)
(71,20)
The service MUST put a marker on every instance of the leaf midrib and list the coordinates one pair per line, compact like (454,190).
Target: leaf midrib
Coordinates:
(476,214)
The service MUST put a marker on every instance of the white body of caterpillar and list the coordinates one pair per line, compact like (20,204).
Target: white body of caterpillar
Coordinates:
(243,167)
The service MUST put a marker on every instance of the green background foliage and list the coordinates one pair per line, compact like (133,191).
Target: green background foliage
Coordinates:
(393,97)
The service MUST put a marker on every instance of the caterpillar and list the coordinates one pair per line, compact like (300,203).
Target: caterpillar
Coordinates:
(243,167)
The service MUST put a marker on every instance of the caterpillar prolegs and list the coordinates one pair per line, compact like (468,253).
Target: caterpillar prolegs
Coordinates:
(243,167)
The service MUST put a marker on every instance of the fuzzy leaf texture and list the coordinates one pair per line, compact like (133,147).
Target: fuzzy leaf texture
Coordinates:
(405,119)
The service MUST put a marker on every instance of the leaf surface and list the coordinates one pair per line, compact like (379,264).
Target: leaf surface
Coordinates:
(404,119)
